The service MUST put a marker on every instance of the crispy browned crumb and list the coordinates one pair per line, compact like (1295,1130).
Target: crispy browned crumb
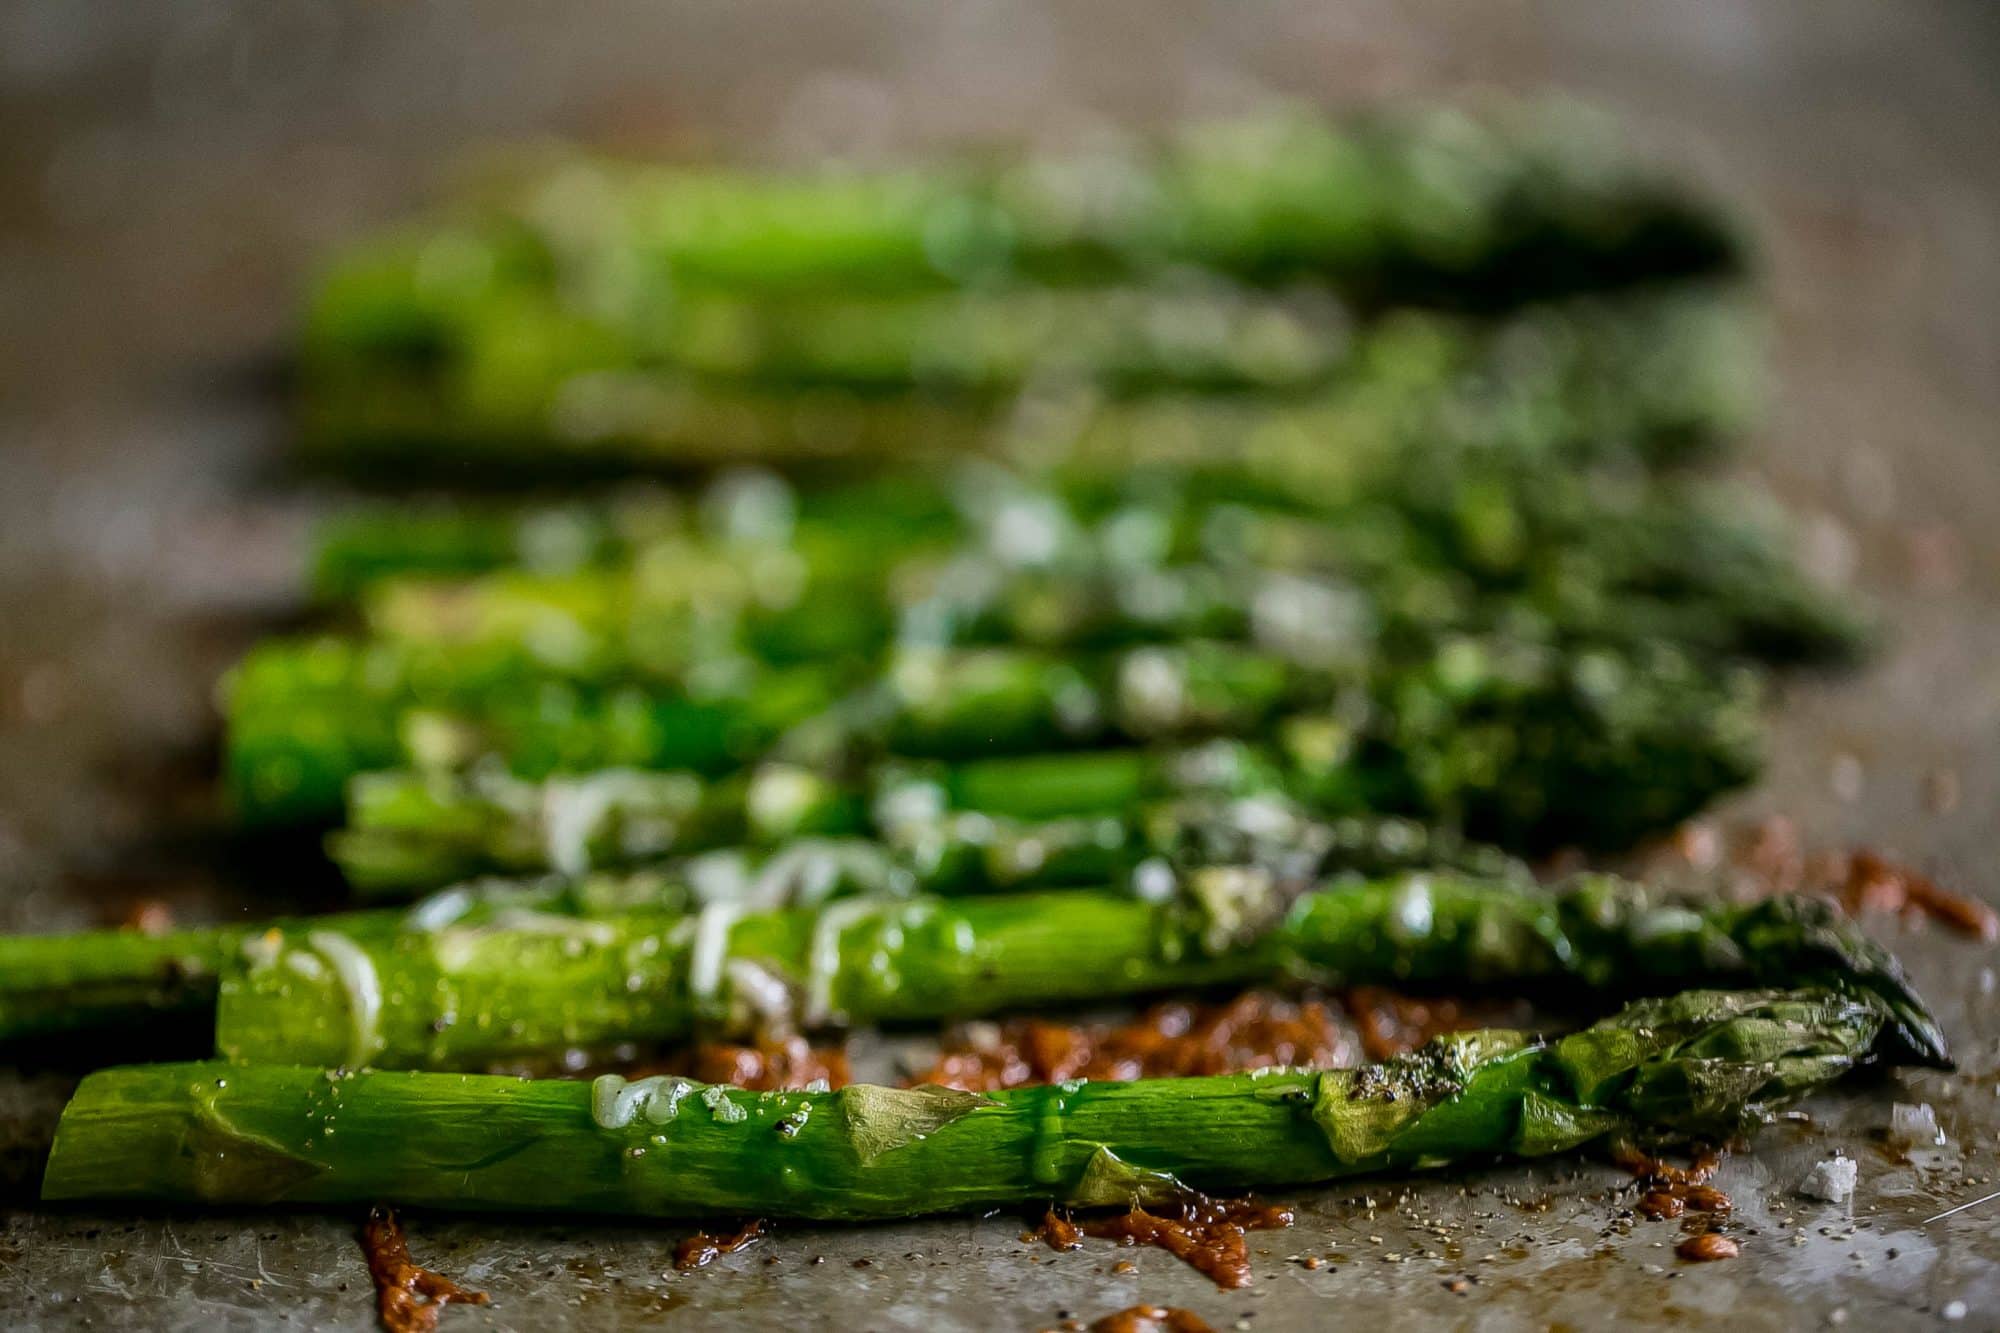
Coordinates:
(1392,1024)
(1056,1231)
(1206,1234)
(1771,858)
(702,1248)
(1152,1319)
(1173,1040)
(149,916)
(1707,1247)
(782,1065)
(409,1298)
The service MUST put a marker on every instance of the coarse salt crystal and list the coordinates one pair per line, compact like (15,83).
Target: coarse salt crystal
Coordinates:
(1914,1124)
(1832,1180)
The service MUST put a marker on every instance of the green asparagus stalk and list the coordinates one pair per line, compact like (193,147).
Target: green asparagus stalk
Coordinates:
(103,982)
(110,981)
(356,547)
(986,825)
(467,997)
(56,986)
(1524,748)
(408,831)
(1424,208)
(1703,1063)
(1658,373)
(1523,744)
(304,716)
(1482,552)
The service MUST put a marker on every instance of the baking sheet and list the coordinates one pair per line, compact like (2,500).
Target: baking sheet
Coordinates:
(167,174)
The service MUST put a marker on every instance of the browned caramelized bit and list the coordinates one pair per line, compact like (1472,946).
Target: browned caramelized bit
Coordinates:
(703,1249)
(788,1064)
(1673,1190)
(772,1066)
(1659,1204)
(1770,858)
(1057,1231)
(1171,1040)
(1707,1247)
(409,1298)
(148,916)
(1873,883)
(1207,1234)
(1775,854)
(1393,1024)
(1152,1319)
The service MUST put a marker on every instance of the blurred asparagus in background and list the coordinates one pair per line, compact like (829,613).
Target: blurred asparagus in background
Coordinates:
(1654,375)
(1509,739)
(607,317)
(984,825)
(708,652)
(1476,546)
(1421,209)
(1348,442)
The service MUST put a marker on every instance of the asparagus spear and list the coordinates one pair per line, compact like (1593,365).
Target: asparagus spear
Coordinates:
(1482,552)
(1010,823)
(306,716)
(106,981)
(358,546)
(414,831)
(1703,1063)
(99,981)
(1675,395)
(1522,743)
(736,372)
(1528,752)
(468,997)
(1438,207)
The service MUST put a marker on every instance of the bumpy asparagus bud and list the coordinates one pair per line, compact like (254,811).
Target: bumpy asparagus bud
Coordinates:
(465,997)
(1703,1063)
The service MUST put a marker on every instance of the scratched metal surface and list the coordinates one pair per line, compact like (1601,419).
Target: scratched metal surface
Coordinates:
(167,171)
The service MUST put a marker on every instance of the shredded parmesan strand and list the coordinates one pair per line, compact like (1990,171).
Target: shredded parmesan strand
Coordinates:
(615,1103)
(356,971)
(823,954)
(527,921)
(441,909)
(711,952)
(572,812)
